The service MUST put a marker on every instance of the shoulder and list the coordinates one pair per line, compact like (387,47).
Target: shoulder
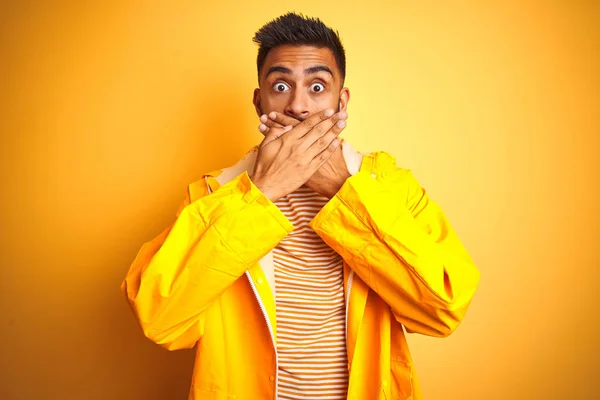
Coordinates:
(382,163)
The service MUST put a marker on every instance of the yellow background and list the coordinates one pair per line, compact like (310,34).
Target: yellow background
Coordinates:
(107,111)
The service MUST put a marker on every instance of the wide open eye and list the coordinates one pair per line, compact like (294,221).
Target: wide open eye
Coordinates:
(281,87)
(317,87)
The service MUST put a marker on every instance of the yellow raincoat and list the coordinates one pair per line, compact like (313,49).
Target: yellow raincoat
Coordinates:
(208,279)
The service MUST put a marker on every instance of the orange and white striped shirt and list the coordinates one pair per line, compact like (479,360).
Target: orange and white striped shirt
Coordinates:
(310,307)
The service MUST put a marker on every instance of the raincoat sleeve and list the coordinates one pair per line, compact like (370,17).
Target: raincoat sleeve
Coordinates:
(399,242)
(212,242)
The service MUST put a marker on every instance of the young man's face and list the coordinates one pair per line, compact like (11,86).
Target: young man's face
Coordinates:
(299,81)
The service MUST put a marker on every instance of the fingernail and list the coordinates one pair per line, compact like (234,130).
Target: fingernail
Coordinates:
(273,115)
(335,143)
(263,118)
(341,123)
(343,114)
(328,112)
(262,127)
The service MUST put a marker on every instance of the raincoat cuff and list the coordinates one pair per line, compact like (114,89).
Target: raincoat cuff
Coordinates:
(252,194)
(350,202)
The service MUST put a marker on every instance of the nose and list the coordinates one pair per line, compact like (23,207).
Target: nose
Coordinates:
(297,106)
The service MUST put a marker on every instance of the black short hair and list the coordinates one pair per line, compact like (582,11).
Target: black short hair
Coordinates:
(297,29)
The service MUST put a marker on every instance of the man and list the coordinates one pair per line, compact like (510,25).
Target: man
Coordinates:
(294,271)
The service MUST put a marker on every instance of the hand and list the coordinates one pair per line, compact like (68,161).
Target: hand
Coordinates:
(290,155)
(330,177)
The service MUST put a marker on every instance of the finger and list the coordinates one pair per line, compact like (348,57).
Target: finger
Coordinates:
(269,123)
(263,129)
(320,147)
(273,124)
(274,134)
(308,124)
(323,127)
(282,119)
(325,155)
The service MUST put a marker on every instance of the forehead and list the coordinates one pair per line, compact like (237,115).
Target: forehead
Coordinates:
(300,57)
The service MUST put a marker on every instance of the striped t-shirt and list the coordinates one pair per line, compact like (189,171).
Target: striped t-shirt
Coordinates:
(310,307)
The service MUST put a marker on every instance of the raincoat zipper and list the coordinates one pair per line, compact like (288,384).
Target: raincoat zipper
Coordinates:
(264,312)
(350,276)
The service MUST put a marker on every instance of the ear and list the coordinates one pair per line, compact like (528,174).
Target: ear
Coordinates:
(344,98)
(256,101)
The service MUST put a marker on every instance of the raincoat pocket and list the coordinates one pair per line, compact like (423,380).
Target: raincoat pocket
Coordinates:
(401,382)
(198,392)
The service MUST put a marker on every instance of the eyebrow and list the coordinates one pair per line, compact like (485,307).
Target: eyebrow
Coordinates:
(308,71)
